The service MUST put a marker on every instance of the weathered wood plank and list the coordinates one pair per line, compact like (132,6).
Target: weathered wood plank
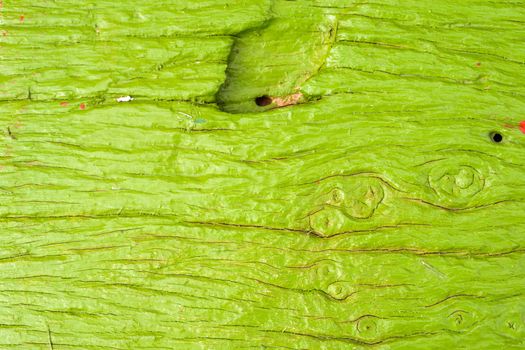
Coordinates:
(376,213)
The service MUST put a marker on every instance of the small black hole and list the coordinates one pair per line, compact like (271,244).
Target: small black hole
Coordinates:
(496,137)
(262,101)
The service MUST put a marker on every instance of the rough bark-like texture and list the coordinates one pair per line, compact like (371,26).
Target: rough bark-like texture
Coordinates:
(375,213)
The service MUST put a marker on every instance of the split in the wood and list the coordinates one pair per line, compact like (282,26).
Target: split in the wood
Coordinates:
(263,101)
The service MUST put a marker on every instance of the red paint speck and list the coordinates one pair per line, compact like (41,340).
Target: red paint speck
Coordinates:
(522,126)
(82,106)
(478,64)
(64,104)
(509,126)
(22,18)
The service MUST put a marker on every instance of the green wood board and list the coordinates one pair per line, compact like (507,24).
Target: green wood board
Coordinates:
(367,206)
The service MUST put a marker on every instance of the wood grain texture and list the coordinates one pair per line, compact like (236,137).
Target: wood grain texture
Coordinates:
(377,213)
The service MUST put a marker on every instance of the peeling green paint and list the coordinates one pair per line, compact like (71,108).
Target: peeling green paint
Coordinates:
(276,58)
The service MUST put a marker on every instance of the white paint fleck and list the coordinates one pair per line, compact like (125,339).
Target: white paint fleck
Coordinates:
(125,99)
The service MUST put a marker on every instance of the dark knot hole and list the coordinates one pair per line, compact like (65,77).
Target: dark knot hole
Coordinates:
(262,101)
(496,137)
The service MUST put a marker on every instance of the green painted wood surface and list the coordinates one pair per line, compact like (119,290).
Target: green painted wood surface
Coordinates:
(376,213)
